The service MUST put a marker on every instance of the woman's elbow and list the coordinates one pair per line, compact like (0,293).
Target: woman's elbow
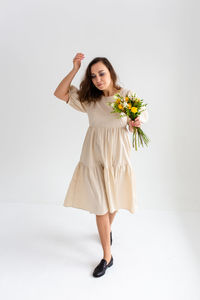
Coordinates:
(62,97)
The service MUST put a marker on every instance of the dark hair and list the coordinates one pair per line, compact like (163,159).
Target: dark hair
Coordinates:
(88,91)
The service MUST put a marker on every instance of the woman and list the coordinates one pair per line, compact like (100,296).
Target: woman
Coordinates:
(103,180)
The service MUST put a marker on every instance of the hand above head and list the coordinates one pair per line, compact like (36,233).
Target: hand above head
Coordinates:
(77,61)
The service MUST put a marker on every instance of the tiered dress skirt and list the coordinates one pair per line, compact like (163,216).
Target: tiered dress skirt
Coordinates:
(103,180)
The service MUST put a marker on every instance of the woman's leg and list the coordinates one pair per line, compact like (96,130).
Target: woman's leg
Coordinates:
(111,216)
(103,224)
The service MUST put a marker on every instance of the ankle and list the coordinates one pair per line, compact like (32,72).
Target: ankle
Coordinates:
(107,257)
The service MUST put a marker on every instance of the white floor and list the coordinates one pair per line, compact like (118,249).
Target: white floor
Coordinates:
(49,252)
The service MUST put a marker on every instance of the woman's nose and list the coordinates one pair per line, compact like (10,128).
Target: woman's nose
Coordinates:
(98,78)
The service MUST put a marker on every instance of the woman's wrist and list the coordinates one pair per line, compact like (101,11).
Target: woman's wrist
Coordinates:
(75,70)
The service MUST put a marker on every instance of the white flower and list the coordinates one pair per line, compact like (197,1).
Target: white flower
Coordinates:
(112,104)
(124,104)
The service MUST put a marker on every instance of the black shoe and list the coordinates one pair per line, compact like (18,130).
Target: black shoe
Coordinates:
(111,237)
(101,267)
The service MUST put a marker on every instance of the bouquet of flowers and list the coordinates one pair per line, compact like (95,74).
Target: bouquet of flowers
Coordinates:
(131,106)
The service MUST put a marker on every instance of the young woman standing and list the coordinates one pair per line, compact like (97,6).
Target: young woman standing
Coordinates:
(103,181)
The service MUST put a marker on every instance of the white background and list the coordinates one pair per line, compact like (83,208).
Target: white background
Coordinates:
(154,48)
(50,251)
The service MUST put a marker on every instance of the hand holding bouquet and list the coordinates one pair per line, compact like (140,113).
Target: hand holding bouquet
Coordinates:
(131,106)
(136,123)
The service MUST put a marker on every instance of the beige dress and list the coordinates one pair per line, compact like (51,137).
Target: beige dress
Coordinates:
(103,179)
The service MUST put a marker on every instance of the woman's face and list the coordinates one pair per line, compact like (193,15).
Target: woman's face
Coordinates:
(100,76)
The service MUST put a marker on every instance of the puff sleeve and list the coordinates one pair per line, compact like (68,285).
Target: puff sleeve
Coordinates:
(144,116)
(74,100)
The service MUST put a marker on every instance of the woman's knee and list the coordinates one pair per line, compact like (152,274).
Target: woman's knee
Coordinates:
(106,214)
(113,212)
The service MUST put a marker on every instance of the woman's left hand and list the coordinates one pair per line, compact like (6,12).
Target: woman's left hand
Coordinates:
(136,123)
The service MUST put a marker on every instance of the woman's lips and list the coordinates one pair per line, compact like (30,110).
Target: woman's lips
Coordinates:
(100,85)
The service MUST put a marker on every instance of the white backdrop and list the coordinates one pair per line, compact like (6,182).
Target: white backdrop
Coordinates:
(154,48)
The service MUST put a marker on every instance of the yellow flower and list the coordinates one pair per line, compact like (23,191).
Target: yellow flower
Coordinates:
(126,99)
(120,106)
(118,100)
(129,105)
(134,109)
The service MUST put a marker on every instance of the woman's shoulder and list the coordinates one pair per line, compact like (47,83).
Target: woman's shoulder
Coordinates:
(124,91)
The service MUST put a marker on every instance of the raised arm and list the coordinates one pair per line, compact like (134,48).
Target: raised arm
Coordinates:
(62,90)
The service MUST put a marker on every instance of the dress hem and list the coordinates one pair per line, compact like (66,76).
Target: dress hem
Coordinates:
(96,213)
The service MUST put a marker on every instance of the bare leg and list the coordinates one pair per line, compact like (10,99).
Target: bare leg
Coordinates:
(111,217)
(103,224)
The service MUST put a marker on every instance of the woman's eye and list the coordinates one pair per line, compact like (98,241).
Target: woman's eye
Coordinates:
(93,76)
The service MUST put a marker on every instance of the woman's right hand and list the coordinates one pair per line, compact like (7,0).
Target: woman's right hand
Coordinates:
(77,61)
